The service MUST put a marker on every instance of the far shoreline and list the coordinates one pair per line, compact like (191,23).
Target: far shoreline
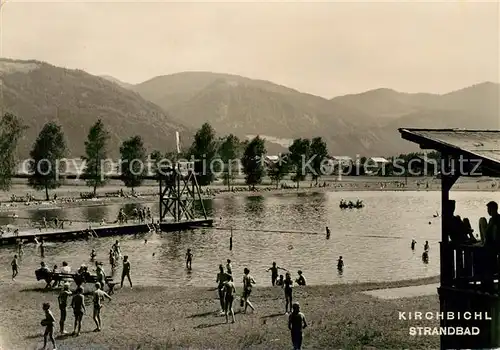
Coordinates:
(68,195)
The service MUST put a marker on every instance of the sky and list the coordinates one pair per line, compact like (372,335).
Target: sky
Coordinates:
(323,48)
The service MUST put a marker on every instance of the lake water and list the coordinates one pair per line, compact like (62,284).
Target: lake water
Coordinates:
(374,241)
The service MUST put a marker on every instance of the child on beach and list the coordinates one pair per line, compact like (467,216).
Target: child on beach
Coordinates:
(247,289)
(301,281)
(274,272)
(126,271)
(229,292)
(280,281)
(189,259)
(48,322)
(296,324)
(287,287)
(63,304)
(221,280)
(15,267)
(99,296)
(78,305)
(229,267)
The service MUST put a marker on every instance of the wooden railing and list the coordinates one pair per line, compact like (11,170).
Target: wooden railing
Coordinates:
(470,266)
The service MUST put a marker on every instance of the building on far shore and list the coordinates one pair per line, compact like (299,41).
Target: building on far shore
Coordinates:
(341,164)
(374,165)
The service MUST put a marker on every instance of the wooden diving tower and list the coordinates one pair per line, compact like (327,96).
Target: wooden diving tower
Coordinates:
(469,272)
(179,191)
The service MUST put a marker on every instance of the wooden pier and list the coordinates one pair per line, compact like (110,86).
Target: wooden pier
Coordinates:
(178,189)
(84,232)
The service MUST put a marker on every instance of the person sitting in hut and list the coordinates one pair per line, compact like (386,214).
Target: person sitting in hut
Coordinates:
(489,229)
(460,231)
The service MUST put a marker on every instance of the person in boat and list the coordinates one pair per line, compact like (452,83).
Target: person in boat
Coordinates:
(301,281)
(413,244)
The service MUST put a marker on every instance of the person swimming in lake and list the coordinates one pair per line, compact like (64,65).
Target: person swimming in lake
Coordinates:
(301,281)
(189,259)
(340,264)
(274,272)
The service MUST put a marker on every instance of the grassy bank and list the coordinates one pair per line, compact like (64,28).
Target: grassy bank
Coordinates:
(153,318)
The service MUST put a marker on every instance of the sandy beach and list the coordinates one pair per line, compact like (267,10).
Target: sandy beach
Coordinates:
(339,316)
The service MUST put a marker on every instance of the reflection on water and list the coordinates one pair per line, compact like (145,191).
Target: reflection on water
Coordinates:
(397,217)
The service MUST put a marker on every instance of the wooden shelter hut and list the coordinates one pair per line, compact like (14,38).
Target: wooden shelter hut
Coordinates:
(469,291)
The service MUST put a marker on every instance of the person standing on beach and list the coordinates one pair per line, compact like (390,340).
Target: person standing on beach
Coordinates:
(247,289)
(288,287)
(126,271)
(63,304)
(221,279)
(296,324)
(42,248)
(78,305)
(229,267)
(327,233)
(229,292)
(99,296)
(413,244)
(189,259)
(20,250)
(48,322)
(274,272)
(15,267)
(101,276)
(426,246)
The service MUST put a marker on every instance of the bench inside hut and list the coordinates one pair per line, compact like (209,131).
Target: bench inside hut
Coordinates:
(469,270)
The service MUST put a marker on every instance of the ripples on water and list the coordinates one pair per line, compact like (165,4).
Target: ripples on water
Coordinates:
(396,216)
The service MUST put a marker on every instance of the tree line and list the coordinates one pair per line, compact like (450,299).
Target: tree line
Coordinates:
(212,154)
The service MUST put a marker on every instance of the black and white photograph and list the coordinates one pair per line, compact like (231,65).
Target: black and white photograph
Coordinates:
(269,175)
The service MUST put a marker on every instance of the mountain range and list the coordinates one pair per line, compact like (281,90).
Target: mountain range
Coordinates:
(364,123)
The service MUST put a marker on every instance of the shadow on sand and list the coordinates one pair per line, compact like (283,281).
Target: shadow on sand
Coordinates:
(208,325)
